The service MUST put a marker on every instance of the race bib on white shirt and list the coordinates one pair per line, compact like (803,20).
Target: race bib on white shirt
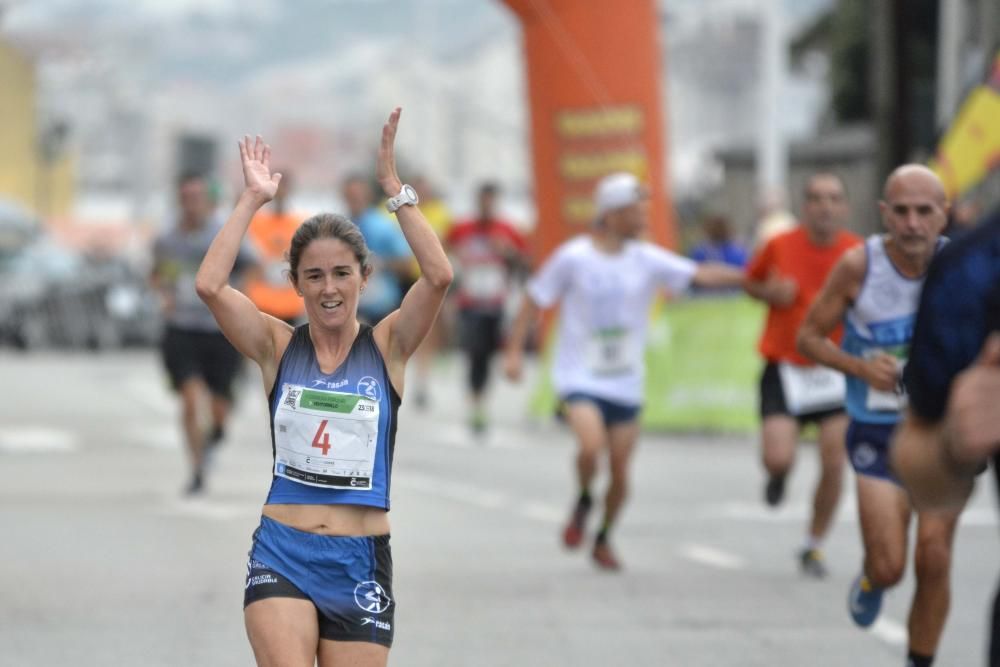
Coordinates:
(612,351)
(485,282)
(325,438)
(811,388)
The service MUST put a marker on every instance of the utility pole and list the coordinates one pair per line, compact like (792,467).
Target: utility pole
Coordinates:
(771,149)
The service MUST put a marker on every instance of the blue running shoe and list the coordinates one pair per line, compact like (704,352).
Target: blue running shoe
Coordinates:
(864,602)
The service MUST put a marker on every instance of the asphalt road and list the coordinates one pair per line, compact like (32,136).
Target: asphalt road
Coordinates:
(102,562)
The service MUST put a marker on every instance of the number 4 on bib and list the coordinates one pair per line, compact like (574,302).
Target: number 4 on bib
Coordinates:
(325,444)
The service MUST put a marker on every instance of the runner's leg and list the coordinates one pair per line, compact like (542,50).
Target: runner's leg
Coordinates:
(585,420)
(932,563)
(283,632)
(352,654)
(779,437)
(832,452)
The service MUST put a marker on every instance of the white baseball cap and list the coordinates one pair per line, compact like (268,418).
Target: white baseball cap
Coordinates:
(616,191)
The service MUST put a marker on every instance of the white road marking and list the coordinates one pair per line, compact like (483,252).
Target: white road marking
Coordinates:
(201,508)
(478,496)
(33,439)
(705,555)
(541,512)
(890,631)
(459,436)
(156,438)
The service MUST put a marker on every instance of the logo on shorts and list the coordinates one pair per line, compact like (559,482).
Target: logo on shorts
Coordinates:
(369,386)
(864,456)
(381,625)
(371,597)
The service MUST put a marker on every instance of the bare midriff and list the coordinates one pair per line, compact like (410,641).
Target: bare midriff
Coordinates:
(345,520)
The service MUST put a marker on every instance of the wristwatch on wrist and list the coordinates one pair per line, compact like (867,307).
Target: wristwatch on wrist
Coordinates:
(407,197)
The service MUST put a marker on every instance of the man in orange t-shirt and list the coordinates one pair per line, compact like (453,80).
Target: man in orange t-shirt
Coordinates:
(271,233)
(787,273)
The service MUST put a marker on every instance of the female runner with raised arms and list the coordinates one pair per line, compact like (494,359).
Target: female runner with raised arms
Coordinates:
(319,580)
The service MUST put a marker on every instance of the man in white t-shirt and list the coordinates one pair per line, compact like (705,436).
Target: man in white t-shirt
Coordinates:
(604,283)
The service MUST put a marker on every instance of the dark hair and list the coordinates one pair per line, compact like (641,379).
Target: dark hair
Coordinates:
(489,188)
(328,226)
(186,177)
(824,174)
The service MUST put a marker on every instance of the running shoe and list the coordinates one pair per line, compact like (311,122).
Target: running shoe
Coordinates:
(774,492)
(196,486)
(811,563)
(215,438)
(478,423)
(864,601)
(573,533)
(604,557)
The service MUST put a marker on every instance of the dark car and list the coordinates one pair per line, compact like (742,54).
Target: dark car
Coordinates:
(53,296)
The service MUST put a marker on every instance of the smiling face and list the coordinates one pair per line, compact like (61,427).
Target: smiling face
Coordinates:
(330,279)
(914,210)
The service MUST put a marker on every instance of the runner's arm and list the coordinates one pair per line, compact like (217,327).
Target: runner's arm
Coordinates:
(923,461)
(250,331)
(517,338)
(938,461)
(763,282)
(402,331)
(717,274)
(827,312)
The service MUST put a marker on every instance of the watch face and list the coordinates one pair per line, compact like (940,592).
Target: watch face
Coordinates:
(410,193)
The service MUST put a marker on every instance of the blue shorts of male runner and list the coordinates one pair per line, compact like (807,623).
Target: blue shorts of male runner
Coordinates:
(348,579)
(612,412)
(868,448)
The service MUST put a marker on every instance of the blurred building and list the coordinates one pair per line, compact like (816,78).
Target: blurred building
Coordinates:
(34,171)
(890,96)
(848,152)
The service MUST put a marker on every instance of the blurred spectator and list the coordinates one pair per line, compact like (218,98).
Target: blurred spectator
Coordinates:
(201,363)
(392,257)
(433,206)
(774,217)
(271,232)
(718,244)
(487,252)
(436,212)
(963,217)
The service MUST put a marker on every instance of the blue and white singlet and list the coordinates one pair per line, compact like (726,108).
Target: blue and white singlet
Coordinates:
(880,320)
(332,434)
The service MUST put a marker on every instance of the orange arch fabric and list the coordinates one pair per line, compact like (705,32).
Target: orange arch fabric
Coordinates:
(594,86)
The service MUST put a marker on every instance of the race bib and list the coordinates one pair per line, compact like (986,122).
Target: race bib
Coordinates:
(485,282)
(612,352)
(325,438)
(889,401)
(811,388)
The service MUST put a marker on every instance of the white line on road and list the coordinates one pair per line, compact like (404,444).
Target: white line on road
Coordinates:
(889,631)
(479,497)
(198,508)
(540,512)
(37,439)
(705,555)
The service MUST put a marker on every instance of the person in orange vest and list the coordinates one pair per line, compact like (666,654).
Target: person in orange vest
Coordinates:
(271,233)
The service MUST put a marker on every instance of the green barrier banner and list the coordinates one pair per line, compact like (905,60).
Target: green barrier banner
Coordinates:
(702,367)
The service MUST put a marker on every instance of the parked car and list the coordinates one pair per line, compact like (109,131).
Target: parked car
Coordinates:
(52,296)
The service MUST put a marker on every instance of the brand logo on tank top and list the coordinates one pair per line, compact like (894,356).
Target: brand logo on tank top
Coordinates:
(369,386)
(330,385)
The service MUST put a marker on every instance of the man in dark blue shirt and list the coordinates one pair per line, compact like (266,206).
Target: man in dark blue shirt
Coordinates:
(953,379)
